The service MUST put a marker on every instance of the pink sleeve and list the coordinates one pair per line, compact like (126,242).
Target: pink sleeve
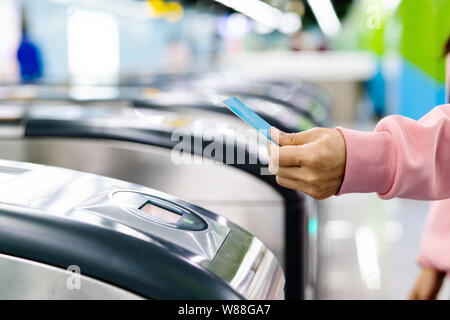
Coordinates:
(401,158)
(435,243)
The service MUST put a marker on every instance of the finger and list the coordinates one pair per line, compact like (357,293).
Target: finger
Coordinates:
(273,153)
(273,167)
(306,188)
(295,139)
(275,134)
(288,183)
(295,173)
(270,144)
(297,185)
(293,156)
(318,192)
(310,175)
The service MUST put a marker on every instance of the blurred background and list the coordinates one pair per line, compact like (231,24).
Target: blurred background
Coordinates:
(366,59)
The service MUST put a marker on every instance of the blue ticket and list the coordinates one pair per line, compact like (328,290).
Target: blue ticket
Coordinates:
(249,116)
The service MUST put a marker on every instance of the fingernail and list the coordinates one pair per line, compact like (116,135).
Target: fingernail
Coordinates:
(271,168)
(270,149)
(274,132)
(273,151)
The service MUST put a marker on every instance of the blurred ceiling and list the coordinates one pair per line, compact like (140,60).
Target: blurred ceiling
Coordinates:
(299,6)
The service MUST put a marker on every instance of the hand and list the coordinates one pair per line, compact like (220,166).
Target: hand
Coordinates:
(312,161)
(427,285)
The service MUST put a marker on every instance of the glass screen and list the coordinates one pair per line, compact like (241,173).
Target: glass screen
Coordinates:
(160,213)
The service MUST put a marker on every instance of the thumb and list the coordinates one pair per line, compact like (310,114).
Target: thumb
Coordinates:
(289,139)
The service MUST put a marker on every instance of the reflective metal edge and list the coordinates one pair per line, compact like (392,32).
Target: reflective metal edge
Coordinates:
(29,280)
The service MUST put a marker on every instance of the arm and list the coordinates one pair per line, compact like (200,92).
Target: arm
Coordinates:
(434,252)
(435,243)
(427,285)
(400,158)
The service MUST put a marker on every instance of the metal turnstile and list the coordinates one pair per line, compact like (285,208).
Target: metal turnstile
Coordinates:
(71,235)
(87,138)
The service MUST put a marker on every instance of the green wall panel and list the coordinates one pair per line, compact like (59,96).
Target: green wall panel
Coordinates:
(426,26)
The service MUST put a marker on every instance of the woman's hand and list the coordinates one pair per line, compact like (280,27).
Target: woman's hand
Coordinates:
(427,285)
(312,161)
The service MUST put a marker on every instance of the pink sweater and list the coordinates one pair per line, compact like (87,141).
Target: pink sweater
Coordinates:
(407,159)
(435,245)
(402,158)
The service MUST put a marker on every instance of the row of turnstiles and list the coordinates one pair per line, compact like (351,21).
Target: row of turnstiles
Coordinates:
(94,188)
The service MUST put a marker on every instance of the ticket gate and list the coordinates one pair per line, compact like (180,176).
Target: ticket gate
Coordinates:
(305,98)
(71,235)
(277,113)
(118,143)
(302,108)
(288,106)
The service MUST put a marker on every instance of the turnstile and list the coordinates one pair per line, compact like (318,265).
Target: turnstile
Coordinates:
(86,138)
(281,114)
(72,235)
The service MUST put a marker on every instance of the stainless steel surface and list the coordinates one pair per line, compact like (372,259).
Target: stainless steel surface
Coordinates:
(260,275)
(25,279)
(83,196)
(244,262)
(205,243)
(258,207)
